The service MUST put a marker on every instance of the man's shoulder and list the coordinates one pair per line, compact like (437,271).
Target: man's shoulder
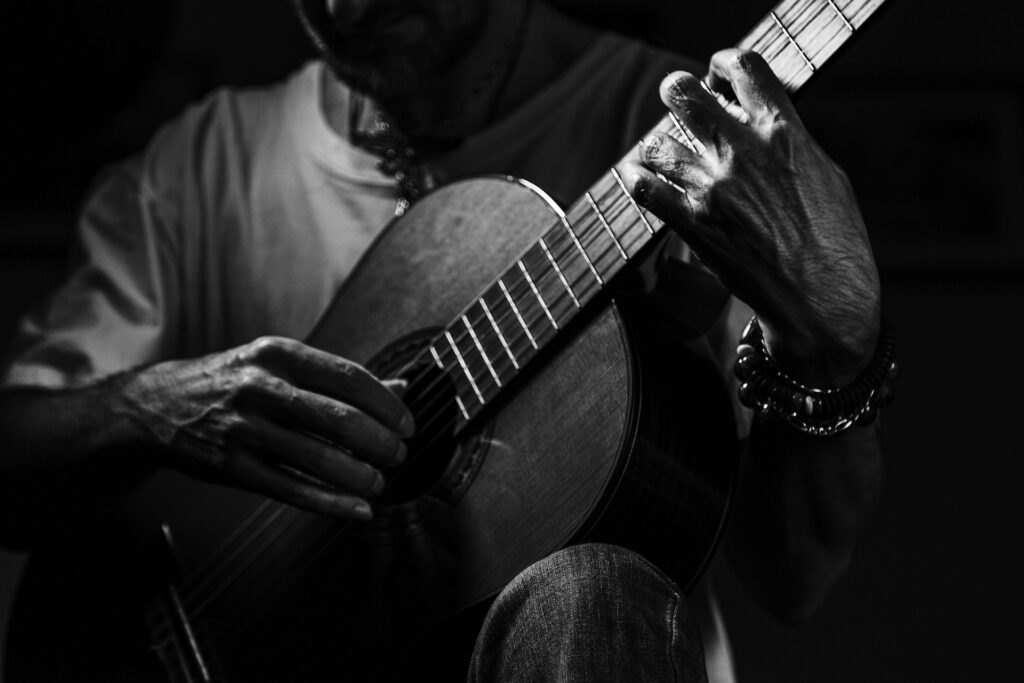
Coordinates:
(228,129)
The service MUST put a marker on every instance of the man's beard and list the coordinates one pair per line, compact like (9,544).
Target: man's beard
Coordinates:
(396,48)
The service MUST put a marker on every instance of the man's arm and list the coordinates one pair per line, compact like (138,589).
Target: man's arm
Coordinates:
(274,416)
(800,503)
(777,222)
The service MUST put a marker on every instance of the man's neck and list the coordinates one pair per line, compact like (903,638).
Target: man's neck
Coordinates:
(471,94)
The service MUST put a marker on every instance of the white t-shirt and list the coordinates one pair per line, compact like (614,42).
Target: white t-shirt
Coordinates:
(243,217)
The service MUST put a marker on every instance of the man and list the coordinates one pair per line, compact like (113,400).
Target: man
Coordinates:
(173,344)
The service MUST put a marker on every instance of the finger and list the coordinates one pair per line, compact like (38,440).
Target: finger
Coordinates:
(755,86)
(338,423)
(313,457)
(669,203)
(696,108)
(663,154)
(338,378)
(249,472)
(398,387)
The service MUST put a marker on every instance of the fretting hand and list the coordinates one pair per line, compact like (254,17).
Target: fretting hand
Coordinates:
(278,418)
(769,213)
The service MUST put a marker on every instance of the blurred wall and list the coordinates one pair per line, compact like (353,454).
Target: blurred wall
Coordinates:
(924,112)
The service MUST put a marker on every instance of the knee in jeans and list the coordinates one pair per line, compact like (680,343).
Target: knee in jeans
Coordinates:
(589,572)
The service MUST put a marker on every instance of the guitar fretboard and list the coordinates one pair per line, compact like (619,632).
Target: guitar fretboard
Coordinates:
(498,334)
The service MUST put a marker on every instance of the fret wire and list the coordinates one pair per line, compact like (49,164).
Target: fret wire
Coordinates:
(608,228)
(465,368)
(497,331)
(641,238)
(561,275)
(830,45)
(810,64)
(786,39)
(462,407)
(583,253)
(519,317)
(824,19)
(565,253)
(594,236)
(689,139)
(842,16)
(480,348)
(640,213)
(798,26)
(557,306)
(867,6)
(508,323)
(437,359)
(529,281)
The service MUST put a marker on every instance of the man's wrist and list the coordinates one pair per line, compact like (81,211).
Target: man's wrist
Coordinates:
(822,360)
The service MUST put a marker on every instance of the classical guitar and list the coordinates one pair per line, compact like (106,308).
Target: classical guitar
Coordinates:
(538,389)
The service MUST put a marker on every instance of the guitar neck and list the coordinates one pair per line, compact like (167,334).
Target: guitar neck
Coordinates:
(497,335)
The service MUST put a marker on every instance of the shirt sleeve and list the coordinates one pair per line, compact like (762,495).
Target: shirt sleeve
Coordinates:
(117,309)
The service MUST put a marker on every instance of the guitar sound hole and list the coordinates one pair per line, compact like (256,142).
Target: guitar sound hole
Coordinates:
(431,398)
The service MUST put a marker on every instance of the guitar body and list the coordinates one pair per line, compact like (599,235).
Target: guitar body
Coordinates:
(614,434)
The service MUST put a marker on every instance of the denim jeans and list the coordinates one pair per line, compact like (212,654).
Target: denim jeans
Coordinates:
(589,613)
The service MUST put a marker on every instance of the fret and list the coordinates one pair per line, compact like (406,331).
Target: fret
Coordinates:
(608,228)
(558,270)
(540,299)
(508,324)
(480,348)
(801,22)
(519,317)
(579,247)
(792,41)
(815,25)
(842,17)
(497,331)
(862,13)
(605,228)
(465,368)
(596,242)
(458,399)
(622,186)
(688,138)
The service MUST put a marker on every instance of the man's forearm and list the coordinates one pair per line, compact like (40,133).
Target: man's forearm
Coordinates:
(800,504)
(59,449)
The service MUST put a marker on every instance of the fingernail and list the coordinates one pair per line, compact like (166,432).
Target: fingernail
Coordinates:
(407,427)
(398,387)
(650,144)
(378,483)
(401,453)
(641,193)
(362,511)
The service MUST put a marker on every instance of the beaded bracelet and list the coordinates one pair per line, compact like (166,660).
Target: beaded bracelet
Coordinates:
(820,412)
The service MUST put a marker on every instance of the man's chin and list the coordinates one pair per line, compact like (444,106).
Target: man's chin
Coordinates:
(385,87)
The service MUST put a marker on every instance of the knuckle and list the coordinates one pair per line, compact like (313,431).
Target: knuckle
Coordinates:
(250,380)
(778,131)
(265,347)
(745,61)
(232,426)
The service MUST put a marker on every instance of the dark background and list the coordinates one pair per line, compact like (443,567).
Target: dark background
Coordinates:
(924,112)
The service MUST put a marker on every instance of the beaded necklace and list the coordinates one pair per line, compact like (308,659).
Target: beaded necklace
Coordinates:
(399,156)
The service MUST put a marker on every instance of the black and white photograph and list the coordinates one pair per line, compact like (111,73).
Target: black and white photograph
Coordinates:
(511,341)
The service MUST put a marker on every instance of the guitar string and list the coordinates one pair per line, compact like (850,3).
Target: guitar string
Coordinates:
(589,231)
(192,598)
(317,542)
(592,229)
(195,591)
